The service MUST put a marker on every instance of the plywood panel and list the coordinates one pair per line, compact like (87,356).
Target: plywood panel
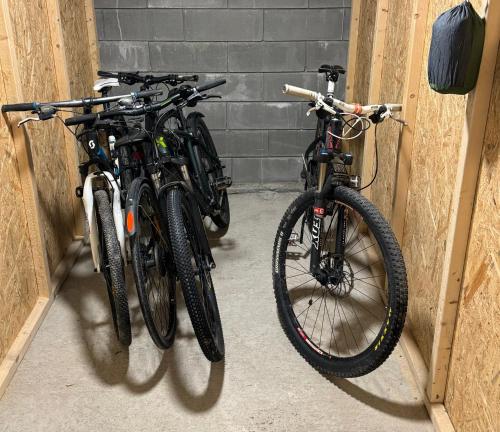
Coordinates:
(18,289)
(473,399)
(78,56)
(438,134)
(36,72)
(391,90)
(367,15)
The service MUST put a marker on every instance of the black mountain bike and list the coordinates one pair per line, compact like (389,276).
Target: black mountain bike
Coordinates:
(338,272)
(101,198)
(206,170)
(173,175)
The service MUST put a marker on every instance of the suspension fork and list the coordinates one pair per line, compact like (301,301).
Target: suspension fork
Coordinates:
(319,211)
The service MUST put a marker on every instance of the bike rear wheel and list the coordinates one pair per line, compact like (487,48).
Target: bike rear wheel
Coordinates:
(194,275)
(152,261)
(213,170)
(112,268)
(348,325)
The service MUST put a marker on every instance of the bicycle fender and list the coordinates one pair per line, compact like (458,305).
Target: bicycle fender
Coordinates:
(117,214)
(88,205)
(192,119)
(90,212)
(131,206)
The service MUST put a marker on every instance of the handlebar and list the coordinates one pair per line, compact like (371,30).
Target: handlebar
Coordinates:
(210,85)
(75,103)
(31,106)
(134,78)
(182,93)
(349,108)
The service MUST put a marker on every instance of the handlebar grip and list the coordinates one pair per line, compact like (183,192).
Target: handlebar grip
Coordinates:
(210,85)
(194,78)
(31,106)
(300,92)
(148,93)
(106,74)
(80,119)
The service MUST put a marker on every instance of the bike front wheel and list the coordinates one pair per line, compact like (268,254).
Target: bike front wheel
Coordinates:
(348,321)
(194,275)
(112,268)
(152,261)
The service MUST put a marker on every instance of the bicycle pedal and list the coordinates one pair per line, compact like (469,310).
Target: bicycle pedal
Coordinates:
(223,183)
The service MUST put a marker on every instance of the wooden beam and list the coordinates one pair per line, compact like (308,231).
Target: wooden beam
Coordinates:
(374,90)
(64,91)
(469,161)
(409,114)
(437,412)
(353,50)
(64,267)
(20,345)
(9,66)
(92,35)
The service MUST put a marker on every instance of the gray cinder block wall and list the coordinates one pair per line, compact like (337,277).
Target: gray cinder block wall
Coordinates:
(257,45)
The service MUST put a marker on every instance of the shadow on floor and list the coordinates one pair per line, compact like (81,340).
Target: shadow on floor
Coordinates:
(411,411)
(110,359)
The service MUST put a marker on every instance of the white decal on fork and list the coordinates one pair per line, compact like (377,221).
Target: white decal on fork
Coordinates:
(316,230)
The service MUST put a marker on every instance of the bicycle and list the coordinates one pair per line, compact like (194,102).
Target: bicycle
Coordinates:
(101,198)
(205,167)
(338,273)
(150,249)
(171,179)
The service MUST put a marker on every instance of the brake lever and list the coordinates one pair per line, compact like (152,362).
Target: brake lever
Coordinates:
(211,97)
(317,106)
(26,120)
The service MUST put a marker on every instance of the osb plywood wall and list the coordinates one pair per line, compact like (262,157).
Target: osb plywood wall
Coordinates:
(437,136)
(473,399)
(393,76)
(29,73)
(363,67)
(74,28)
(473,391)
(18,289)
(36,69)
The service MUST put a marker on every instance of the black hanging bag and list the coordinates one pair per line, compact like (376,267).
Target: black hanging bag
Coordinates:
(456,50)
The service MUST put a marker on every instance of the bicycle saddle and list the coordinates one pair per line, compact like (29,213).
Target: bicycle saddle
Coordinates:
(132,138)
(332,72)
(105,82)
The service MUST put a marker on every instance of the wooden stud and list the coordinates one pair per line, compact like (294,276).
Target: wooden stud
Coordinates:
(409,114)
(374,90)
(437,412)
(18,349)
(63,86)
(20,345)
(353,50)
(8,60)
(92,34)
(461,208)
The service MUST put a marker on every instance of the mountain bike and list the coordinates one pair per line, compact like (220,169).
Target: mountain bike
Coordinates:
(150,249)
(338,272)
(178,206)
(205,167)
(101,199)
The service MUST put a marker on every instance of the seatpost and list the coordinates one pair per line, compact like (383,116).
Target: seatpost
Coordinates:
(331,88)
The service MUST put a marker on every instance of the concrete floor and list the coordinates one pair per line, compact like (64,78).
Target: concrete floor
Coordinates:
(75,377)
